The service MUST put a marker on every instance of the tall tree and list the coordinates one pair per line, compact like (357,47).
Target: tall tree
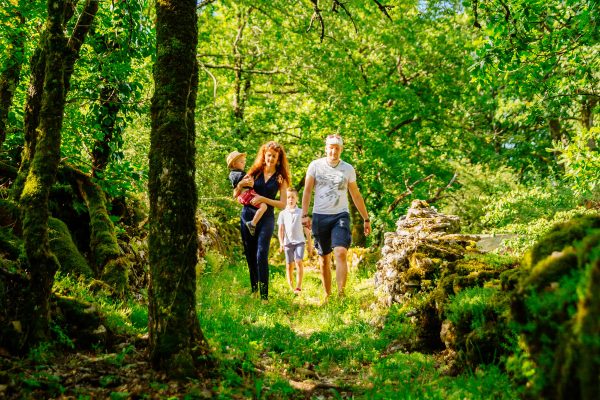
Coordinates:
(9,76)
(36,87)
(177,344)
(42,173)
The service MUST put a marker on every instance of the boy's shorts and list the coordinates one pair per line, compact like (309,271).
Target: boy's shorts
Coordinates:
(331,231)
(293,252)
(246,197)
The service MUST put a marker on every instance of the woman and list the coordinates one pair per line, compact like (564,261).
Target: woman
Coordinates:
(268,175)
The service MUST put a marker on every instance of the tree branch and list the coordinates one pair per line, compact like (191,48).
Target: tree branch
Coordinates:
(396,127)
(336,4)
(437,195)
(247,71)
(384,8)
(317,15)
(408,192)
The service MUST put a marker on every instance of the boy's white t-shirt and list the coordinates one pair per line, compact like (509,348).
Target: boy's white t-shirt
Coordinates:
(331,186)
(292,223)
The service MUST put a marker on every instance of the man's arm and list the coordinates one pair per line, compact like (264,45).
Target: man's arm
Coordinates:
(309,244)
(309,184)
(359,202)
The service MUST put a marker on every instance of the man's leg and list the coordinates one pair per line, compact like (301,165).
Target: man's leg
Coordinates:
(325,264)
(341,268)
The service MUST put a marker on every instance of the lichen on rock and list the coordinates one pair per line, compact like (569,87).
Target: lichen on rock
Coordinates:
(424,243)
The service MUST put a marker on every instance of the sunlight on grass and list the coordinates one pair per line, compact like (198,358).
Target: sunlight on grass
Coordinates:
(265,348)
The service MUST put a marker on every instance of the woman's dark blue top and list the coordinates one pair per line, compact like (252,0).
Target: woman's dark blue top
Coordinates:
(267,189)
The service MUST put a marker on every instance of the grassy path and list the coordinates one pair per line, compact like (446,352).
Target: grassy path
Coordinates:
(295,347)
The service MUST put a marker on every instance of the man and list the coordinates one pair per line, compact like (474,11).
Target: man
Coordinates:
(332,179)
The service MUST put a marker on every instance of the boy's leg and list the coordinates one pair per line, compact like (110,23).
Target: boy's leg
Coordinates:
(289,274)
(259,213)
(298,256)
(299,274)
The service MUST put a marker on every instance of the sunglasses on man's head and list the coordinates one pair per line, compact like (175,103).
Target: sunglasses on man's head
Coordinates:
(336,136)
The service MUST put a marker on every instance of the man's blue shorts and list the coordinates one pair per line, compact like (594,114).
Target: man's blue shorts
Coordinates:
(330,231)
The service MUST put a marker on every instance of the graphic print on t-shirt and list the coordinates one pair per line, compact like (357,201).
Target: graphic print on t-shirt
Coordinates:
(333,185)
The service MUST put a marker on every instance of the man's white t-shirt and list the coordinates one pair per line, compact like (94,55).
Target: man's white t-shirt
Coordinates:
(331,186)
(292,223)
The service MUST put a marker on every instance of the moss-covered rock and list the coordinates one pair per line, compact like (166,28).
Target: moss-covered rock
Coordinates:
(61,244)
(555,304)
(560,236)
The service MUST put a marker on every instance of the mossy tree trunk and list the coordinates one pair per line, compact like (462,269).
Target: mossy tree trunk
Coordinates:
(35,92)
(358,227)
(109,262)
(43,264)
(9,78)
(177,344)
(110,107)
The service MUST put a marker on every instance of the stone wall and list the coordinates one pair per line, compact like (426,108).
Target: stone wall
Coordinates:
(423,244)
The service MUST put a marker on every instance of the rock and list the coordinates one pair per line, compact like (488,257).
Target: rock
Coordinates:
(424,243)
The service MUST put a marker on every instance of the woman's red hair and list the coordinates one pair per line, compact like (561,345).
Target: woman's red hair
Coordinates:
(282,169)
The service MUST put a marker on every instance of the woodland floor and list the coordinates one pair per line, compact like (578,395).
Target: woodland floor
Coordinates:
(293,347)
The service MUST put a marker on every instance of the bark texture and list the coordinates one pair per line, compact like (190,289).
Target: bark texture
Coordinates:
(43,264)
(110,264)
(177,344)
(110,106)
(9,79)
(35,93)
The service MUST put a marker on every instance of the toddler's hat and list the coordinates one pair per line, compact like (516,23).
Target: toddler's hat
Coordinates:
(234,155)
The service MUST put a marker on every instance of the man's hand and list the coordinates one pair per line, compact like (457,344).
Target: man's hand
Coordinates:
(281,248)
(367,226)
(306,222)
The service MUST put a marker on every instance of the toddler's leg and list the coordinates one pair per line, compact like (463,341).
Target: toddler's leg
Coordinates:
(251,225)
(259,213)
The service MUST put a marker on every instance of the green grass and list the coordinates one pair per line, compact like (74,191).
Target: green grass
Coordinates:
(266,349)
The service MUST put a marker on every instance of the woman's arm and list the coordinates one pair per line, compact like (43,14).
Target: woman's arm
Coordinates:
(247,181)
(274,203)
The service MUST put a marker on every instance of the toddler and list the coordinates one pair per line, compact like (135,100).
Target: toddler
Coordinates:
(236,162)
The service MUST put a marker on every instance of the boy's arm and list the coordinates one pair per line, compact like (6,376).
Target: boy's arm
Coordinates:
(280,235)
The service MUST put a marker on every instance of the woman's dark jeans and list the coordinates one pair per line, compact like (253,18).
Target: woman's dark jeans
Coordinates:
(256,249)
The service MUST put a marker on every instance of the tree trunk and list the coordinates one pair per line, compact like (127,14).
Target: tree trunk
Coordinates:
(9,79)
(358,227)
(109,262)
(42,173)
(35,92)
(587,119)
(109,108)
(177,344)
(31,120)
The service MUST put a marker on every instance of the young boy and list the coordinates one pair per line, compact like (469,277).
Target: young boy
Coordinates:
(292,240)
(236,162)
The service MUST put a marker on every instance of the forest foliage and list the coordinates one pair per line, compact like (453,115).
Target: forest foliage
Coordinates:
(485,109)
